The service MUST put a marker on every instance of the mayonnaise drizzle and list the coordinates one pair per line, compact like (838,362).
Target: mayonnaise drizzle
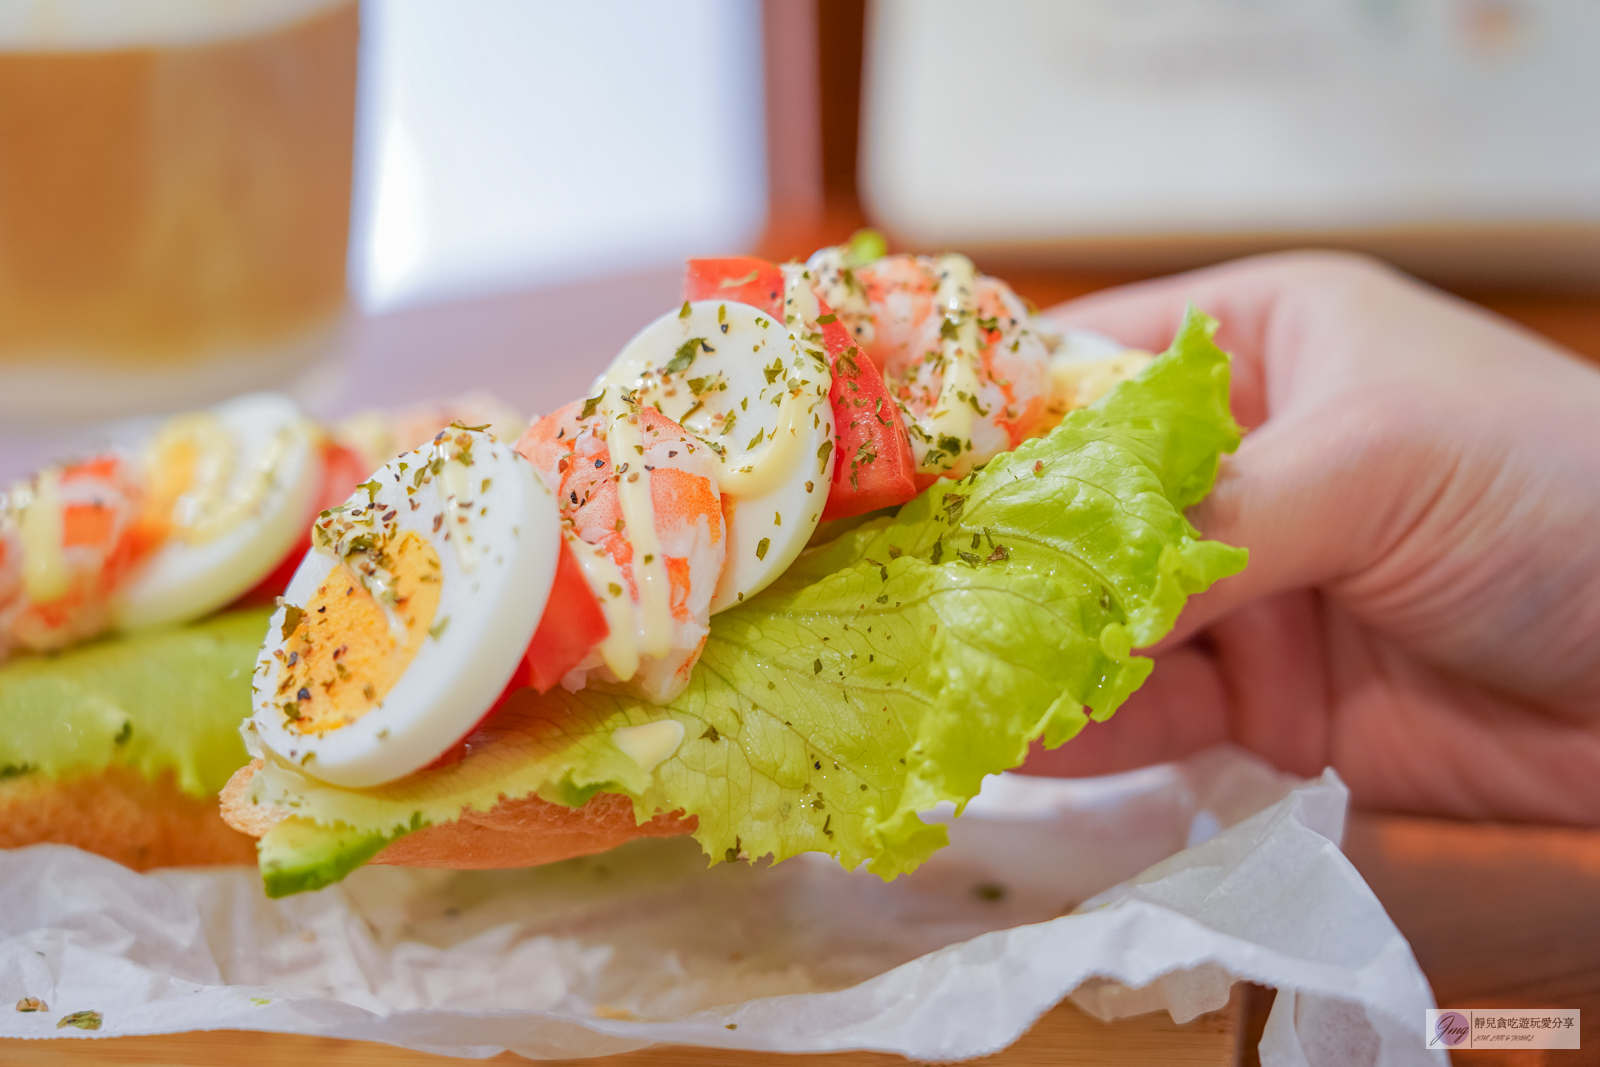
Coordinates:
(800,307)
(626,444)
(958,392)
(620,649)
(649,744)
(761,471)
(833,277)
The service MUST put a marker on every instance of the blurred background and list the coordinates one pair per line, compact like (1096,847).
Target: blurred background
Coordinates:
(368,203)
(372,203)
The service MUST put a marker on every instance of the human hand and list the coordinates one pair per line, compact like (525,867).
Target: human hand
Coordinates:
(1420,494)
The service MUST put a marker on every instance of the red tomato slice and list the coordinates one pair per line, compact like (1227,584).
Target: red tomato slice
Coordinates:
(740,279)
(342,471)
(872,455)
(571,626)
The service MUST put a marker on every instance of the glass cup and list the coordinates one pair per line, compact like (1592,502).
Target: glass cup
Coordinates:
(174,199)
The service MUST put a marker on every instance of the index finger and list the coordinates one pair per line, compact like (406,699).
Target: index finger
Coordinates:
(1244,297)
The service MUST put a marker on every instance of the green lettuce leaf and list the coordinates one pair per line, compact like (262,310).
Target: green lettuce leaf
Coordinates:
(167,700)
(891,668)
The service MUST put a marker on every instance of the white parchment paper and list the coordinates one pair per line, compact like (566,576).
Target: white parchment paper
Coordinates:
(1147,891)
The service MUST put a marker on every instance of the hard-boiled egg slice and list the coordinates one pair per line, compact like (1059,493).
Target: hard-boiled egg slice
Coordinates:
(1084,366)
(409,615)
(230,492)
(758,396)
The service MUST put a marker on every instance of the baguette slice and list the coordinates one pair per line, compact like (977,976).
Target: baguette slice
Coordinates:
(122,815)
(514,833)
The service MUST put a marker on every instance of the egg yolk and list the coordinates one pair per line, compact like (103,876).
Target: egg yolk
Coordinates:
(343,655)
(191,460)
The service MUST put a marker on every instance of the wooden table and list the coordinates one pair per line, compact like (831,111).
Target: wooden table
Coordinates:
(1064,1036)
(1502,916)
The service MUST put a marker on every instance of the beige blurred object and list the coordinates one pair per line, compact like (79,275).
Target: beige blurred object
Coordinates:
(174,199)
(377,436)
(1454,137)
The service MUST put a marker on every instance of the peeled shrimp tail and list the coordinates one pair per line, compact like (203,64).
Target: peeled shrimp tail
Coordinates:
(640,495)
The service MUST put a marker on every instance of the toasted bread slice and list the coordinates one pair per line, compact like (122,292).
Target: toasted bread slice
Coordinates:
(122,815)
(514,833)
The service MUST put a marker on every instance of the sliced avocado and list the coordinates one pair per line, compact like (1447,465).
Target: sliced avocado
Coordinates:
(166,700)
(297,855)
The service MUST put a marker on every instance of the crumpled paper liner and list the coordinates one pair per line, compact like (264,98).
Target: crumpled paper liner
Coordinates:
(1153,890)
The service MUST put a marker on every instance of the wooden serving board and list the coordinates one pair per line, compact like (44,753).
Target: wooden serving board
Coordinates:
(1064,1036)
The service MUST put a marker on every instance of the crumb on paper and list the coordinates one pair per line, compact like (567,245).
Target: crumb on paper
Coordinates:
(606,1011)
(260,1001)
(83,1020)
(32,1004)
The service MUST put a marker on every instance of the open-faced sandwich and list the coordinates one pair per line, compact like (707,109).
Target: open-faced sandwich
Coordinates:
(822,548)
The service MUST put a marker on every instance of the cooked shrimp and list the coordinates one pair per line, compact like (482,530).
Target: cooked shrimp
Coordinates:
(957,349)
(655,584)
(68,536)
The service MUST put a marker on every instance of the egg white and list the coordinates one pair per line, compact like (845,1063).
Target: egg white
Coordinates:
(486,617)
(742,343)
(183,580)
(1086,346)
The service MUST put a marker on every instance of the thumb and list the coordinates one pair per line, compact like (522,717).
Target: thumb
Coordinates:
(1298,495)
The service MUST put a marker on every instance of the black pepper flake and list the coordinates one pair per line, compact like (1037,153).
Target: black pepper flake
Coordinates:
(304,694)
